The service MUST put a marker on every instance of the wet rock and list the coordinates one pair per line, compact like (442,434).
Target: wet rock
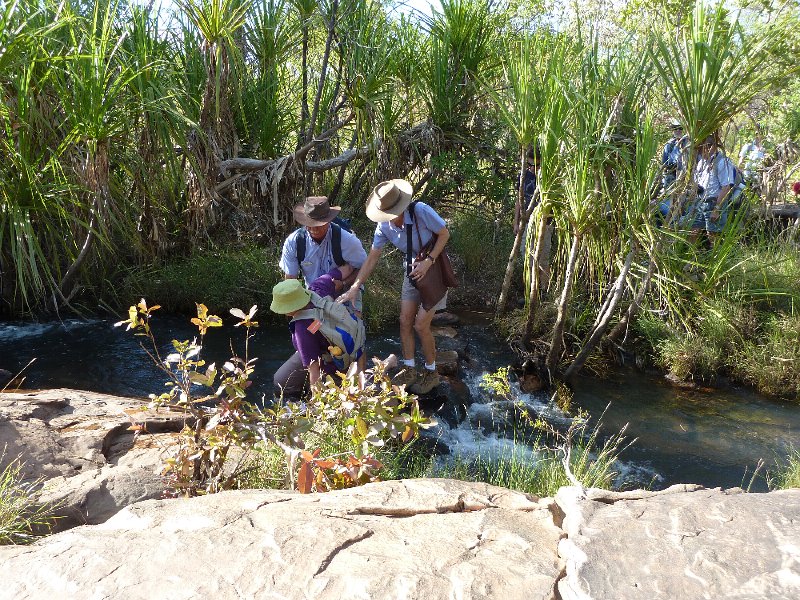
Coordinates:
(447,362)
(432,539)
(441,332)
(80,444)
(457,344)
(5,377)
(445,318)
(453,397)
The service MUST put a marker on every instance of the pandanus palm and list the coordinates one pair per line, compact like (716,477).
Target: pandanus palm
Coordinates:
(217,22)
(712,69)
(519,102)
(463,39)
(159,125)
(272,35)
(93,87)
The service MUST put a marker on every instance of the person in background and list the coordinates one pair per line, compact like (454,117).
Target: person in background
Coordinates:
(388,206)
(529,183)
(671,157)
(714,176)
(751,157)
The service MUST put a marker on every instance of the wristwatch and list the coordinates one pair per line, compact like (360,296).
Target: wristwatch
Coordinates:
(433,260)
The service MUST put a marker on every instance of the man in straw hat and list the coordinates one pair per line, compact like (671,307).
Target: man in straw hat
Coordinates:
(388,207)
(317,237)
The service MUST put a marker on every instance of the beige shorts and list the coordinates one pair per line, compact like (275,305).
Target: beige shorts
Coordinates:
(409,292)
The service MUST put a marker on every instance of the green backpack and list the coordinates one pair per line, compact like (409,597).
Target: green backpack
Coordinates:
(341,328)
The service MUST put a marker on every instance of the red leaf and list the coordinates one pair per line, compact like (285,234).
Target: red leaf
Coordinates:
(305,479)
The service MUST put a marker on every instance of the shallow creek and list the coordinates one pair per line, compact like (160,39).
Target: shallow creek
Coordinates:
(715,438)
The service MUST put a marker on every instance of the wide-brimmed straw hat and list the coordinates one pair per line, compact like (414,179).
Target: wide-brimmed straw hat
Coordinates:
(315,211)
(289,296)
(389,199)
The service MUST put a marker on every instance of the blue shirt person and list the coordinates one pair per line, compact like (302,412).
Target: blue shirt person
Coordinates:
(388,206)
(316,214)
(672,156)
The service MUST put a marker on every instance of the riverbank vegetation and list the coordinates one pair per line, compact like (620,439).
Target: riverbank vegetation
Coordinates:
(158,154)
(786,475)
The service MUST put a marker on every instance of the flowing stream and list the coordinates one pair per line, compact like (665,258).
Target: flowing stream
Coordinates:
(714,438)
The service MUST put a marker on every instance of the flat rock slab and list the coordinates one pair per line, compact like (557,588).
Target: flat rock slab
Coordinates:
(415,539)
(685,542)
(80,443)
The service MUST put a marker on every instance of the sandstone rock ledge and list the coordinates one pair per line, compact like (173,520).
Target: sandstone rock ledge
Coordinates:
(414,540)
(80,444)
(424,539)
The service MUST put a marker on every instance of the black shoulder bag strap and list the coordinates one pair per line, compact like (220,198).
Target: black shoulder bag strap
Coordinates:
(300,246)
(336,244)
(410,240)
(409,251)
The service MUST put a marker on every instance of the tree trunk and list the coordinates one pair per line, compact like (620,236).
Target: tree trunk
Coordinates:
(603,319)
(340,177)
(557,343)
(323,71)
(304,92)
(622,327)
(95,177)
(523,226)
(539,262)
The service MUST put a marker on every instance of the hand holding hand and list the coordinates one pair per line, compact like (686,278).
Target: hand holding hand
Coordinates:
(348,296)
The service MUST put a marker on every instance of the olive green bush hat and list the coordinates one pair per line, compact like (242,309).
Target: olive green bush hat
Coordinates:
(289,296)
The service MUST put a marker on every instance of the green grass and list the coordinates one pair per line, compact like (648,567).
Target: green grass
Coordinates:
(771,363)
(535,467)
(22,519)
(218,279)
(786,475)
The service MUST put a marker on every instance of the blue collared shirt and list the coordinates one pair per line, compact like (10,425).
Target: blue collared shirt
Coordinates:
(425,218)
(319,256)
(713,174)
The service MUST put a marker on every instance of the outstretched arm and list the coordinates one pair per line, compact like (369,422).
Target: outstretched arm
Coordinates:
(366,269)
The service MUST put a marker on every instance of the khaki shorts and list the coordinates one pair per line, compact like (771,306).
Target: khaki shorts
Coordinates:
(409,292)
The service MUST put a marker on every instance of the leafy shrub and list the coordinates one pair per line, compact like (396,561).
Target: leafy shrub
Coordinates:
(22,518)
(364,407)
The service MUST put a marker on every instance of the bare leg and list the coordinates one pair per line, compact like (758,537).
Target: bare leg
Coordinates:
(422,325)
(408,312)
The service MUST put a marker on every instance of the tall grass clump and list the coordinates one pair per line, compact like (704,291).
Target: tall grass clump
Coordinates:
(22,518)
(786,475)
(534,466)
(772,362)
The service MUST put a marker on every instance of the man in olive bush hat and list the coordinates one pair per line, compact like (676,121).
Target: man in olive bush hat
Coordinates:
(310,252)
(388,206)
